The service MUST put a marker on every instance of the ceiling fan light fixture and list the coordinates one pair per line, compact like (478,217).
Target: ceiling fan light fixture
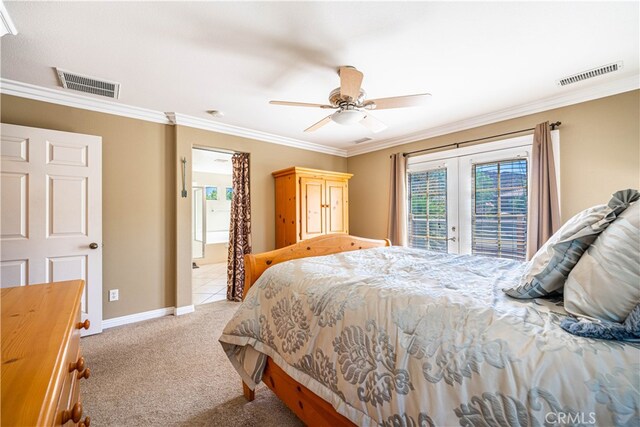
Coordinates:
(348,117)
(352,104)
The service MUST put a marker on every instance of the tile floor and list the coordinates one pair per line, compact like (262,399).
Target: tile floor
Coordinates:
(209,283)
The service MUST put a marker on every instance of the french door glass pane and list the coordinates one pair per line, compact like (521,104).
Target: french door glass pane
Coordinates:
(499,209)
(427,225)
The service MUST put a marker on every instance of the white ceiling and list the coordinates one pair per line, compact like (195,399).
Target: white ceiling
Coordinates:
(190,57)
(211,162)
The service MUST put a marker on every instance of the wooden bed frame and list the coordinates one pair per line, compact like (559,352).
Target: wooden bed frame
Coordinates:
(310,408)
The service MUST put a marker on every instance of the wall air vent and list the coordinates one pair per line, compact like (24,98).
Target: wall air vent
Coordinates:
(361,140)
(86,84)
(575,78)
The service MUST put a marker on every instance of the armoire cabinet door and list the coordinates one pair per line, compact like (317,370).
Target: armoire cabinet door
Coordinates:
(312,207)
(310,203)
(337,205)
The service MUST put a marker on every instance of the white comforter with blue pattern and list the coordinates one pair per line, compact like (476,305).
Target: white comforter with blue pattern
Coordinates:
(404,337)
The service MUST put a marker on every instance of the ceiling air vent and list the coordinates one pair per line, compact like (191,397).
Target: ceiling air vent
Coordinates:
(361,140)
(87,84)
(575,78)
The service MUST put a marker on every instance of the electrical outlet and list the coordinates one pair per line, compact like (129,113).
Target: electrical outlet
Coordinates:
(113,295)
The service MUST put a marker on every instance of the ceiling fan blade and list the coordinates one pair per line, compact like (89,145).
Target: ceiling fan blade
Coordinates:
(350,82)
(318,125)
(300,104)
(397,102)
(373,124)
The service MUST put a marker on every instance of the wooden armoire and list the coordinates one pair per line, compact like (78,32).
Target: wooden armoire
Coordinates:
(310,203)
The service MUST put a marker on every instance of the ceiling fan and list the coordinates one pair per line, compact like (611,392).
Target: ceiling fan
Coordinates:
(352,106)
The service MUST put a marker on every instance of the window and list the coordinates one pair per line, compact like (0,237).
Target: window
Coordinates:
(499,209)
(427,225)
(472,200)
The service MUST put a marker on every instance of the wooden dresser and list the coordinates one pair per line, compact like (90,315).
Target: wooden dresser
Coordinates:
(42,365)
(310,203)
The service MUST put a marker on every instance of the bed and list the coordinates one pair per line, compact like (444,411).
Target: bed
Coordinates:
(352,331)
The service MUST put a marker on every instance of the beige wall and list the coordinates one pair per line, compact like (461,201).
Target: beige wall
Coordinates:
(265,158)
(145,220)
(137,210)
(599,152)
(142,211)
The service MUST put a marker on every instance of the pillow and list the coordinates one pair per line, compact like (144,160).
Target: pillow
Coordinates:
(627,331)
(605,284)
(549,268)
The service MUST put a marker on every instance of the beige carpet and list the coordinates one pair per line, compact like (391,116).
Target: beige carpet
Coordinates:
(172,372)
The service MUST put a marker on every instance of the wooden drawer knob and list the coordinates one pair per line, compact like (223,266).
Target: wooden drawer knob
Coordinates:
(84,324)
(84,374)
(86,422)
(72,415)
(79,365)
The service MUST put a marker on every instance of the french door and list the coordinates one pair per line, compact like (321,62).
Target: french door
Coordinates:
(433,199)
(495,189)
(471,201)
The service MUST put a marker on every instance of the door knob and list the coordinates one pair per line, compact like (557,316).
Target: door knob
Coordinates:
(453,239)
(93,245)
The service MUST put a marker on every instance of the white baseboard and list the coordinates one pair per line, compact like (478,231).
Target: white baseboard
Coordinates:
(179,311)
(137,317)
(146,315)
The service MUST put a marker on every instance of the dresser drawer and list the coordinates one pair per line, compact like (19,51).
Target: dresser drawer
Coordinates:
(40,347)
(74,364)
(69,406)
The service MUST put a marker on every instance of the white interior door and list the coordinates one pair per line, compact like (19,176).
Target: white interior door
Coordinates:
(51,212)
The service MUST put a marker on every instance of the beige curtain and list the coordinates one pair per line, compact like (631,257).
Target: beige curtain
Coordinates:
(397,225)
(544,209)
(240,228)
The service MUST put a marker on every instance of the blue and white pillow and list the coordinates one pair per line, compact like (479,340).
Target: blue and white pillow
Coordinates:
(605,284)
(546,273)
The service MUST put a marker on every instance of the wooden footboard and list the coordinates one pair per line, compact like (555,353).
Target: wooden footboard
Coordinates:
(256,264)
(310,408)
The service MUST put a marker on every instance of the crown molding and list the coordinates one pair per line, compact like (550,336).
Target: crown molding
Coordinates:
(574,97)
(63,97)
(196,122)
(6,23)
(55,96)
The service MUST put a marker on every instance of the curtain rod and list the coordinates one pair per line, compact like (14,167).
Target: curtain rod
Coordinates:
(457,144)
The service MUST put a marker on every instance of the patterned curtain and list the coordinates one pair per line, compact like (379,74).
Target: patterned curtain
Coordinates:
(240,228)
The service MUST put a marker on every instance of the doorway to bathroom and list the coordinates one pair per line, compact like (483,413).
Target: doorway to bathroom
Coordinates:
(212,193)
